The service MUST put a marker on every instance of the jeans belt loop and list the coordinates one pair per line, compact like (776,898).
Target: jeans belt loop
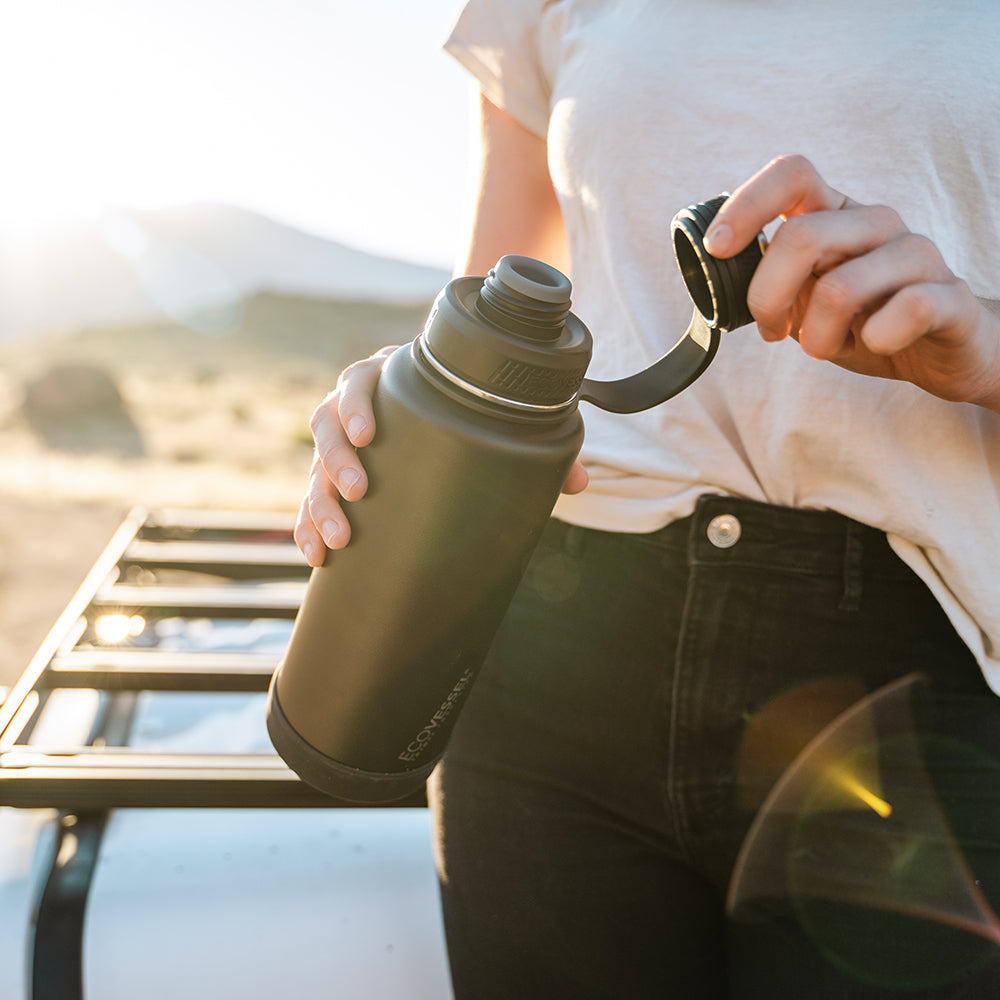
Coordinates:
(850,600)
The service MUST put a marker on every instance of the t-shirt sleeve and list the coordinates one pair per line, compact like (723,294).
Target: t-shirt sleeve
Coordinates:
(497,41)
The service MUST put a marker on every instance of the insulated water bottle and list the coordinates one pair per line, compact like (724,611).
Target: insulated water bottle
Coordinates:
(477,425)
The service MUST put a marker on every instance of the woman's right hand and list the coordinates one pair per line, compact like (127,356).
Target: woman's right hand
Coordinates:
(342,423)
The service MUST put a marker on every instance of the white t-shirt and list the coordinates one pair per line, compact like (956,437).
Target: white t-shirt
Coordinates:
(649,106)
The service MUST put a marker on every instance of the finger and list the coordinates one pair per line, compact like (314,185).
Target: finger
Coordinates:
(576,480)
(861,285)
(355,389)
(921,310)
(307,536)
(325,511)
(809,246)
(335,451)
(788,185)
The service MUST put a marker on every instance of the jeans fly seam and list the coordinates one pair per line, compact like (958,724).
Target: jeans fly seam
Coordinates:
(673,772)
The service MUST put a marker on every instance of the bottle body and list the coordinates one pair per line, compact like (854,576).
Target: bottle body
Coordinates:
(394,628)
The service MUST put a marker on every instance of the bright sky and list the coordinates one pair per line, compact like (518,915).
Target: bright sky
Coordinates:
(342,117)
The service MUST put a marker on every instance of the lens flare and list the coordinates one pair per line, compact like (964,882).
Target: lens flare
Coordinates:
(850,784)
(869,846)
(112,629)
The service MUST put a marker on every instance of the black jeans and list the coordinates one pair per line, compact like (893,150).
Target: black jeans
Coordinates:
(744,756)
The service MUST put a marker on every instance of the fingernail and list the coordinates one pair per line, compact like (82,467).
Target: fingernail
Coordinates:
(718,240)
(346,480)
(355,426)
(308,550)
(329,530)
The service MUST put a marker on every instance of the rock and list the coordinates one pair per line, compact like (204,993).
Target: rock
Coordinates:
(79,407)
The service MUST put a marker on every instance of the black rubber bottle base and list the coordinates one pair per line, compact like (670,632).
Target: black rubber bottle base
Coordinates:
(341,781)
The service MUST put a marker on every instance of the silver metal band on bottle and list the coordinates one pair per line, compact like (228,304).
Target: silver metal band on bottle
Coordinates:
(475,390)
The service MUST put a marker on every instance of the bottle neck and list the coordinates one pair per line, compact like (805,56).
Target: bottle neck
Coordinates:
(526,297)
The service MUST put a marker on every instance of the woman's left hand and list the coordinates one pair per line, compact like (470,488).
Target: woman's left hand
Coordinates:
(854,286)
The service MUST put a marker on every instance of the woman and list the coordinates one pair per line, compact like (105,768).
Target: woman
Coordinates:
(748,575)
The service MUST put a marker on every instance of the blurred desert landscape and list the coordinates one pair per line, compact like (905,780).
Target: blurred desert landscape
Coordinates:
(156,414)
(206,211)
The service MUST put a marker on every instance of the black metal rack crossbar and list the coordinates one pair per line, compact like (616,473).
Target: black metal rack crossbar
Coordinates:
(155,670)
(183,565)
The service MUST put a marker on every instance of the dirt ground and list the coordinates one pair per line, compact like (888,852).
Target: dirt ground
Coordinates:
(46,549)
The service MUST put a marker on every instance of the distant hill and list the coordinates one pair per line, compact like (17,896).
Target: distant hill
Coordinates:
(190,265)
(267,331)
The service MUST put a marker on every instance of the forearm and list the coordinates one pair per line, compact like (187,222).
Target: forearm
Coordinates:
(514,208)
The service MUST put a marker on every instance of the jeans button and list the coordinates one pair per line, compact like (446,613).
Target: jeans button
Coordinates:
(724,531)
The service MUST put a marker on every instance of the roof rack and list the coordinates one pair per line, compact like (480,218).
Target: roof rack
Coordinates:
(181,567)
